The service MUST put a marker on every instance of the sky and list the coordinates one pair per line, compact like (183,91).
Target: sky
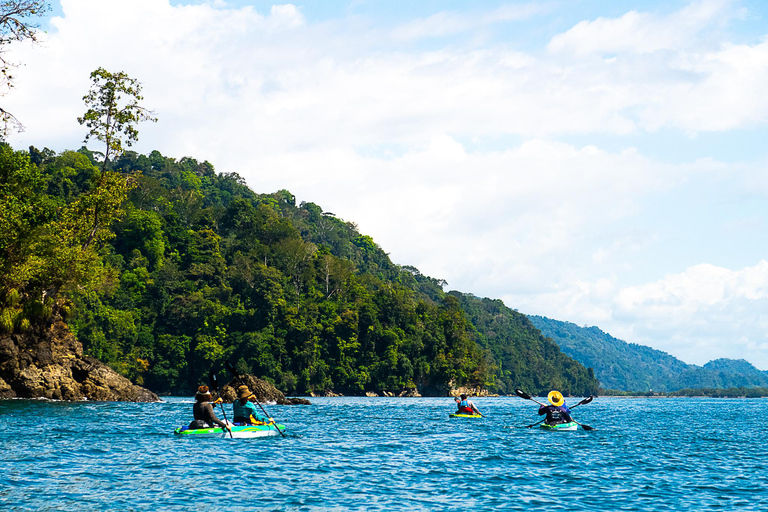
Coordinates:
(597,162)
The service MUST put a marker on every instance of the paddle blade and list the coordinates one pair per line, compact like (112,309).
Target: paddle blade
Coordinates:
(586,427)
(586,400)
(522,394)
(213,382)
(231,369)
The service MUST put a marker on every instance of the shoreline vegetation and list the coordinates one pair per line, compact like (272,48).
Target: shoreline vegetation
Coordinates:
(739,392)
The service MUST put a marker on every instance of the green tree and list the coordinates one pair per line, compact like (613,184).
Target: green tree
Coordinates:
(114,109)
(46,247)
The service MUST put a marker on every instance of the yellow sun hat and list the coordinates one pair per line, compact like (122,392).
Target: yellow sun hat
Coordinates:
(555,398)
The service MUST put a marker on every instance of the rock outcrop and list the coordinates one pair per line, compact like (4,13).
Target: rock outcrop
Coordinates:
(48,362)
(470,392)
(264,391)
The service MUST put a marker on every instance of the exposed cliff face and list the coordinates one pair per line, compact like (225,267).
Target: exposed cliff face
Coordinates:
(48,362)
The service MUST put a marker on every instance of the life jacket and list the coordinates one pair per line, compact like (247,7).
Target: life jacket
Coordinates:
(557,415)
(464,408)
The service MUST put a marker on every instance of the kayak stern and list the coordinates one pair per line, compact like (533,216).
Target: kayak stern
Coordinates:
(564,427)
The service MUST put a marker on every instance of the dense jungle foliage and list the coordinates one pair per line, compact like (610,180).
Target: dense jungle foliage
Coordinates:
(627,366)
(201,270)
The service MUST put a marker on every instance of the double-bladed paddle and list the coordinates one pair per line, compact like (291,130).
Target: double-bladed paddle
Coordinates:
(526,396)
(214,385)
(236,374)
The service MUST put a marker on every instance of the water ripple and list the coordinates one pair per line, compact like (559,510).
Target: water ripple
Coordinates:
(386,454)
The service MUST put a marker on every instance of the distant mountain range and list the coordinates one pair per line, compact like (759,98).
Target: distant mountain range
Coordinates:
(631,367)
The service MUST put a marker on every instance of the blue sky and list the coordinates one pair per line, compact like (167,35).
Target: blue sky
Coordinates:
(600,162)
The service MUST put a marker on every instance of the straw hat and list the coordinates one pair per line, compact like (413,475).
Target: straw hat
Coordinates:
(555,398)
(243,392)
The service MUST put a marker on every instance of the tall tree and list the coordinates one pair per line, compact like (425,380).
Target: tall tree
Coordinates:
(15,25)
(113,112)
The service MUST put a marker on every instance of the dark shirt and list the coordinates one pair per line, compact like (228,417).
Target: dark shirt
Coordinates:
(204,411)
(556,414)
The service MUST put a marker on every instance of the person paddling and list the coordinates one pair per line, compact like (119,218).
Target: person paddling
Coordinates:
(466,406)
(244,410)
(557,412)
(203,411)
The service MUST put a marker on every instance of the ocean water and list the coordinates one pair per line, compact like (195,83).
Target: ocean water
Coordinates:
(388,454)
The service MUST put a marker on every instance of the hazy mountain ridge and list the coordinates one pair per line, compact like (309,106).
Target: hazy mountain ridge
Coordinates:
(625,366)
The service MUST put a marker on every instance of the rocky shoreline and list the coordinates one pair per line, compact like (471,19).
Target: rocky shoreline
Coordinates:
(263,390)
(48,362)
(415,393)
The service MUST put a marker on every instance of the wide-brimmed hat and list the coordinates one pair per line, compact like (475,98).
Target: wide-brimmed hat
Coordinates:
(555,398)
(202,394)
(243,392)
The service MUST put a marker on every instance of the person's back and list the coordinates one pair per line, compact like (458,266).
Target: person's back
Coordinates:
(557,412)
(202,410)
(466,406)
(244,410)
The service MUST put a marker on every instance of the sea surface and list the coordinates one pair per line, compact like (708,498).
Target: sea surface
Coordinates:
(388,454)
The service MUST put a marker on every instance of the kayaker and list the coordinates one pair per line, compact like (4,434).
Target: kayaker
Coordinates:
(244,410)
(557,412)
(203,411)
(466,406)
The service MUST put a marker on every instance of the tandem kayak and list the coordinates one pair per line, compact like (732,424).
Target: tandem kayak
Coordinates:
(571,425)
(237,431)
(457,415)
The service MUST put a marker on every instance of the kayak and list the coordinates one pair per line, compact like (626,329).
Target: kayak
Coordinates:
(238,432)
(458,415)
(571,425)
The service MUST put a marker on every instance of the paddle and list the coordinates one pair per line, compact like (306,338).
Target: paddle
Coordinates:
(236,374)
(214,385)
(585,401)
(523,394)
(585,427)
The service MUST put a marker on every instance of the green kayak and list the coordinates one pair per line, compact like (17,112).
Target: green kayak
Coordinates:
(237,432)
(571,425)
(458,415)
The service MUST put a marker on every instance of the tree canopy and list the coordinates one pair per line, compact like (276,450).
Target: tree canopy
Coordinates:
(201,270)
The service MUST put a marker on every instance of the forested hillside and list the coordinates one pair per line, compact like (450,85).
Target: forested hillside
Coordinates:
(630,367)
(526,359)
(201,269)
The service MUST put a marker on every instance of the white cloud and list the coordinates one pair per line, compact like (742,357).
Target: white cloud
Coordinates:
(641,32)
(446,23)
(700,314)
(274,81)
(373,127)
